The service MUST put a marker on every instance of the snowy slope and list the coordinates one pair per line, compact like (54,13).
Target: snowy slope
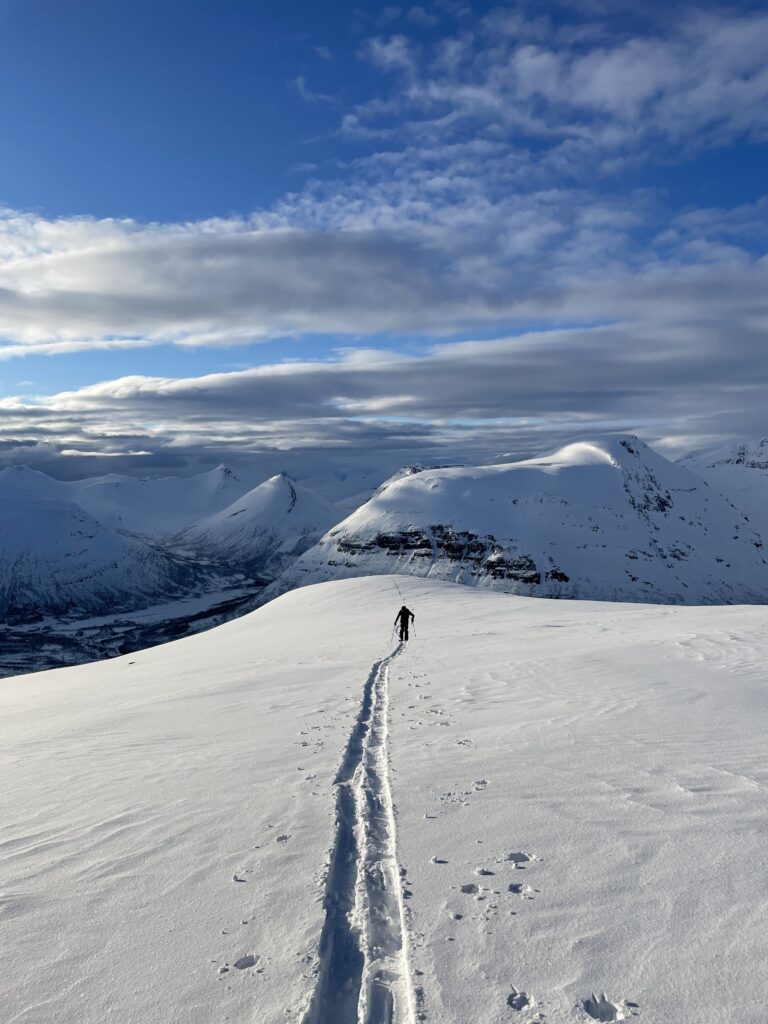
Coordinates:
(56,560)
(73,549)
(21,480)
(609,521)
(155,506)
(148,506)
(740,472)
(343,486)
(571,797)
(264,530)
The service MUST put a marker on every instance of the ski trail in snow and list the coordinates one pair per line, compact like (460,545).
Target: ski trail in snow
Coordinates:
(364,975)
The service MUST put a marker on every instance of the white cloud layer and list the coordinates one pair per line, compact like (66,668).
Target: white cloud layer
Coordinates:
(469,399)
(478,206)
(481,199)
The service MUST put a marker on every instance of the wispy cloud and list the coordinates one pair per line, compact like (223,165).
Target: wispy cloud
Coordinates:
(584,96)
(311,95)
(474,202)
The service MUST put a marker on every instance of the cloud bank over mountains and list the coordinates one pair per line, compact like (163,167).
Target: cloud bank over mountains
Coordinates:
(490,188)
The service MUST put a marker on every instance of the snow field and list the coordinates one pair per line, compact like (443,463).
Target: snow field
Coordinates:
(581,797)
(168,814)
(538,811)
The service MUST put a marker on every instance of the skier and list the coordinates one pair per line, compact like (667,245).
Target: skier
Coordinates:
(403,617)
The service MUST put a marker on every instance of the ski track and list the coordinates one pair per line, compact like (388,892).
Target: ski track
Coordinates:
(364,972)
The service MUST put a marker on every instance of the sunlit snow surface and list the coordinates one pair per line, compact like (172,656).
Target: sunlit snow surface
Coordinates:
(613,521)
(579,799)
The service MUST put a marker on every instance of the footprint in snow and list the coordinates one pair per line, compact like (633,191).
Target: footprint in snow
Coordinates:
(249,960)
(522,890)
(519,859)
(599,1007)
(519,1000)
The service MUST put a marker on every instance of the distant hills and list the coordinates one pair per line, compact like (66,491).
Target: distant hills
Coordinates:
(119,544)
(610,521)
(263,531)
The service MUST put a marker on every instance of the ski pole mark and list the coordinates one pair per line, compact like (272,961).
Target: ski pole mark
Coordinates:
(364,973)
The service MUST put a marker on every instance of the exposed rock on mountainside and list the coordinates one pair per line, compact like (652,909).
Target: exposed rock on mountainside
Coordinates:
(740,473)
(609,521)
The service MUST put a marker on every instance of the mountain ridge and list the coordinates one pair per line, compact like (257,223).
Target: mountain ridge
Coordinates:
(592,520)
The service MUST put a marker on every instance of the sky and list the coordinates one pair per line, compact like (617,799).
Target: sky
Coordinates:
(295,233)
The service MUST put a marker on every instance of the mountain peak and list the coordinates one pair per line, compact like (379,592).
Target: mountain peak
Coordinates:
(600,520)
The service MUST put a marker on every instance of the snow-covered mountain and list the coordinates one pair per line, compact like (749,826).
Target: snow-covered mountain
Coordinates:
(155,506)
(739,472)
(56,560)
(608,521)
(264,530)
(146,506)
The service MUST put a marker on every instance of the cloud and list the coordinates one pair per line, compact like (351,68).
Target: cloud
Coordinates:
(311,95)
(377,260)
(458,400)
(395,53)
(419,15)
(475,202)
(698,82)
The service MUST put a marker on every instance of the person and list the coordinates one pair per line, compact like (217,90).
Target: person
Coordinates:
(402,619)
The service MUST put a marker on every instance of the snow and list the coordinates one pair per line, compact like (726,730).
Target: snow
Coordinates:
(65,549)
(264,530)
(147,506)
(740,473)
(56,559)
(609,521)
(155,506)
(575,794)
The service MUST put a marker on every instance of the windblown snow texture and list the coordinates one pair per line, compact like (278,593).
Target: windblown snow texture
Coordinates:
(610,521)
(581,794)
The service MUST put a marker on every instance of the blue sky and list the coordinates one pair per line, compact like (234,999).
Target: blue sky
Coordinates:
(548,219)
